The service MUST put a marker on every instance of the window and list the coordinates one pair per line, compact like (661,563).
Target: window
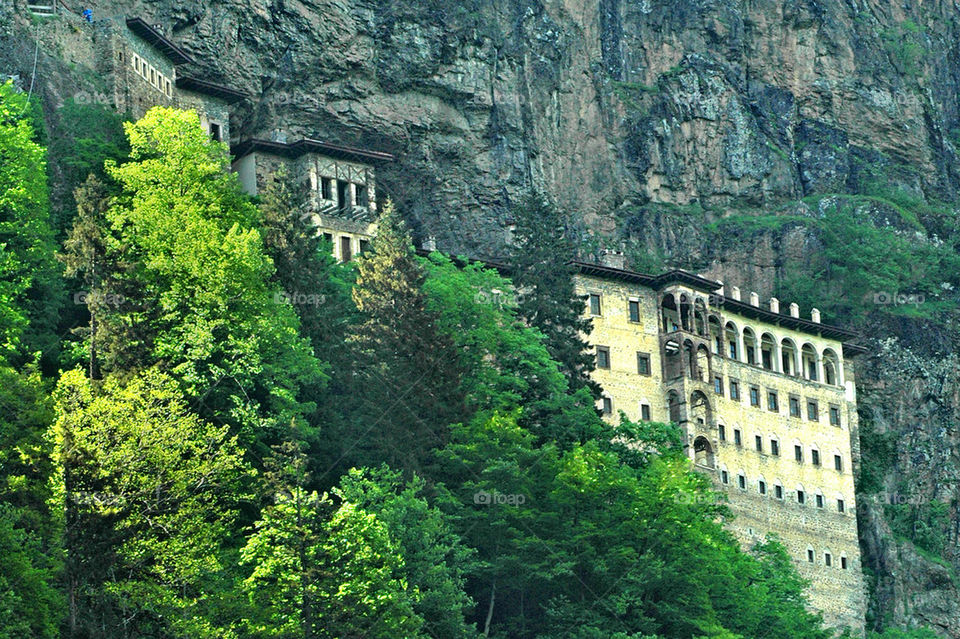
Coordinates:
(798,453)
(734,390)
(343,195)
(812,411)
(758,442)
(774,448)
(607,406)
(326,188)
(633,308)
(215,132)
(364,246)
(794,407)
(778,491)
(345,252)
(843,563)
(838,463)
(762,487)
(841,507)
(169,89)
(724,477)
(819,500)
(645,412)
(801,497)
(643,363)
(810,555)
(718,385)
(742,482)
(834,416)
(722,433)
(733,349)
(737,439)
(328,237)
(814,456)
(603,357)
(595,304)
(827,559)
(772,403)
(361,195)
(754,396)
(717,344)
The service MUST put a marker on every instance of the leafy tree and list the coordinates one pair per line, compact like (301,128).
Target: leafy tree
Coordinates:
(149,492)
(194,281)
(30,605)
(406,373)
(542,272)
(30,288)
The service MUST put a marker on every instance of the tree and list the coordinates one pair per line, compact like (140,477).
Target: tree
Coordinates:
(542,272)
(30,288)
(149,492)
(407,376)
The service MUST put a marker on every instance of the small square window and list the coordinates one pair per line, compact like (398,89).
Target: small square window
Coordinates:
(819,500)
(838,463)
(734,390)
(801,497)
(754,396)
(718,385)
(603,357)
(737,439)
(841,507)
(762,487)
(645,412)
(758,442)
(814,456)
(643,363)
(810,555)
(794,407)
(724,477)
(722,433)
(834,416)
(798,453)
(742,482)
(607,406)
(778,491)
(772,403)
(812,413)
(774,448)
(595,304)
(633,307)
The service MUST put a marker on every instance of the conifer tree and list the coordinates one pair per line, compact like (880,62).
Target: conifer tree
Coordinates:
(407,376)
(541,270)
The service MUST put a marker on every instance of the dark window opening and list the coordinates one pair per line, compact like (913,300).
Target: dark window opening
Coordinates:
(361,195)
(607,406)
(801,497)
(827,559)
(754,396)
(774,448)
(834,416)
(819,501)
(758,442)
(838,463)
(364,246)
(215,132)
(762,486)
(734,390)
(345,253)
(643,363)
(718,385)
(633,306)
(343,195)
(722,433)
(843,563)
(778,492)
(810,556)
(603,357)
(815,457)
(737,439)
(772,403)
(841,507)
(798,453)
(742,482)
(794,407)
(724,477)
(326,188)
(645,412)
(594,304)
(812,411)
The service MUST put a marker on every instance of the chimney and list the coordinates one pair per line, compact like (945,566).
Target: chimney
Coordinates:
(429,243)
(754,299)
(794,310)
(735,292)
(774,305)
(815,315)
(278,135)
(614,259)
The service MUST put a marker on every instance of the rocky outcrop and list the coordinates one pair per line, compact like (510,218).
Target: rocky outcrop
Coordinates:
(646,121)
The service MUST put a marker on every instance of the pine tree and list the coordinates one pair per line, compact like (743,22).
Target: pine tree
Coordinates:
(408,375)
(541,271)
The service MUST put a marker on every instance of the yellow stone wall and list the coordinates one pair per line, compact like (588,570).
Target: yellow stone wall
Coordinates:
(835,591)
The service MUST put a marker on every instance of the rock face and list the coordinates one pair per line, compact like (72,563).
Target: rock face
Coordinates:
(645,120)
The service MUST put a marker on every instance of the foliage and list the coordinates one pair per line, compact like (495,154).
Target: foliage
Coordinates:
(149,492)
(30,605)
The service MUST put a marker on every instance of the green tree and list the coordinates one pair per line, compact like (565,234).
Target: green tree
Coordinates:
(30,288)
(406,375)
(149,492)
(541,269)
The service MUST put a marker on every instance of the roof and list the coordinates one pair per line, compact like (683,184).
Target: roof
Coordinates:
(308,145)
(197,85)
(154,37)
(658,282)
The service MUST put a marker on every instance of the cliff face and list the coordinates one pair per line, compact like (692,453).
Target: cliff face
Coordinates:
(648,122)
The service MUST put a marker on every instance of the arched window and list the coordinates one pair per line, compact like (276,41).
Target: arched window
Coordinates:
(701,413)
(716,334)
(700,317)
(768,351)
(685,312)
(808,356)
(741,480)
(788,356)
(703,452)
(778,489)
(831,368)
(731,334)
(703,363)
(750,345)
(801,495)
(762,485)
(670,316)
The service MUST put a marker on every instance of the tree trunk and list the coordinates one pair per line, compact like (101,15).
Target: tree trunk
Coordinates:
(493,594)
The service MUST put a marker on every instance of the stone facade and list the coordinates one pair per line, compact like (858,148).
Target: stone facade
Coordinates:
(767,404)
(339,182)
